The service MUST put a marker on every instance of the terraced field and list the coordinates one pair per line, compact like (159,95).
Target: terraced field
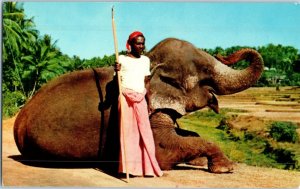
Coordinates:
(266,103)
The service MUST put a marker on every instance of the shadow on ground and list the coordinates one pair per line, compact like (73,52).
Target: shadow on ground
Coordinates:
(87,164)
(65,164)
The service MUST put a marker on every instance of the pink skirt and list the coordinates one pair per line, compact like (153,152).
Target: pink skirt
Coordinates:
(140,147)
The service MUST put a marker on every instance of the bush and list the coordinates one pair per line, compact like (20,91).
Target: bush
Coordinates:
(284,132)
(12,102)
(224,126)
(284,157)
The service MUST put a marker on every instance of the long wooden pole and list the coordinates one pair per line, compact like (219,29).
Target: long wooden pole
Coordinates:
(120,92)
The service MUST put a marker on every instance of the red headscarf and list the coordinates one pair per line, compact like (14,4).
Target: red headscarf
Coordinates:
(132,36)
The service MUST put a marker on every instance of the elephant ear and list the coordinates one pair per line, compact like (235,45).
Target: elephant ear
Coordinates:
(166,90)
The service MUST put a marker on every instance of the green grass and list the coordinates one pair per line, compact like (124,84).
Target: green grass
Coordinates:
(242,146)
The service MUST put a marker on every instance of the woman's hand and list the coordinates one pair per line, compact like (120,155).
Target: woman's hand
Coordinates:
(150,109)
(117,66)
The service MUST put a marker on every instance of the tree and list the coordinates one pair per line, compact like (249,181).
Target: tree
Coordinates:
(28,60)
(280,63)
(40,66)
(18,36)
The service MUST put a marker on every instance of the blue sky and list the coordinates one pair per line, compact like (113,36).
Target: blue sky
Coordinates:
(85,29)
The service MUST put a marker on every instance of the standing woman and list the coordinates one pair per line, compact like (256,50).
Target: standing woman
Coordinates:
(140,148)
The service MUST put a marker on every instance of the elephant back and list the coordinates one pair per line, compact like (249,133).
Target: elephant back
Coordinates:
(63,118)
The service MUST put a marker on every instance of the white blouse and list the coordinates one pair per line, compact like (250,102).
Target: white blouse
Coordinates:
(133,72)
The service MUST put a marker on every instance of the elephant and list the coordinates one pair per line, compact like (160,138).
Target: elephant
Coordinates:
(75,116)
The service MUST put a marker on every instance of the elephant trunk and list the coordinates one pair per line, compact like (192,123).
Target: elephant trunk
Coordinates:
(228,80)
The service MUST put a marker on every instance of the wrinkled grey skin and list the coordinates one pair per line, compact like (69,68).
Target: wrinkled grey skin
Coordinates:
(75,116)
(185,78)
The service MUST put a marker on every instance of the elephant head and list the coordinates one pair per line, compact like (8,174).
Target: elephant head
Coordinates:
(185,78)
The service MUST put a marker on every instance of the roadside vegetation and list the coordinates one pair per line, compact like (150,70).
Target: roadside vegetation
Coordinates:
(267,143)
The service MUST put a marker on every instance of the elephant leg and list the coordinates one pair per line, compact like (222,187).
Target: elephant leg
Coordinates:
(198,161)
(172,149)
(184,133)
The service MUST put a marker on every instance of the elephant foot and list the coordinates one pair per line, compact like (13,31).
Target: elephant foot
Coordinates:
(199,161)
(222,165)
(166,166)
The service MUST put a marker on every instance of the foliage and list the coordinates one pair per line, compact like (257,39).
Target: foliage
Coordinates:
(294,79)
(284,157)
(242,145)
(11,103)
(284,131)
(30,60)
(18,35)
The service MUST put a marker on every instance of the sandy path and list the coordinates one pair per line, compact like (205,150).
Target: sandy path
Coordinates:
(15,173)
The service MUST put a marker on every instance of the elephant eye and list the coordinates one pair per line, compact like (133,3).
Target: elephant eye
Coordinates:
(205,70)
(171,81)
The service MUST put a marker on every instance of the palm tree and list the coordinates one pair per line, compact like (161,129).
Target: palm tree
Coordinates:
(28,61)
(41,66)
(12,31)
(18,36)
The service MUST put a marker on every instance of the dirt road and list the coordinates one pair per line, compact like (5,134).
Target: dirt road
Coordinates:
(15,173)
